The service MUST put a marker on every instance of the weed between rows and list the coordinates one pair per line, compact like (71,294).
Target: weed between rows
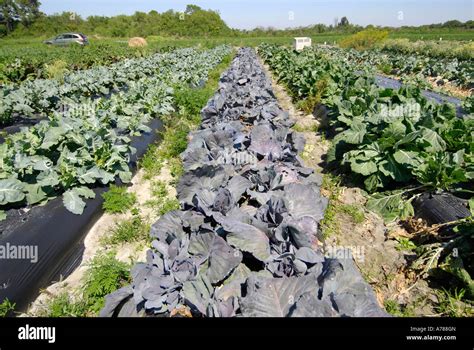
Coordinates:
(131,230)
(118,200)
(452,303)
(160,203)
(405,244)
(6,307)
(299,128)
(105,274)
(189,102)
(309,103)
(336,210)
(394,308)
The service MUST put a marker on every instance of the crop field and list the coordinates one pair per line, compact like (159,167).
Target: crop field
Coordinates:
(34,172)
(394,143)
(380,148)
(28,59)
(22,59)
(235,174)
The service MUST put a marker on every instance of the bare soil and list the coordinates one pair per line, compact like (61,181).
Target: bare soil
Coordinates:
(450,88)
(447,87)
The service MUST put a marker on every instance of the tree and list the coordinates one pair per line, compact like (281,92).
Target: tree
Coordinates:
(13,11)
(469,24)
(452,24)
(190,9)
(8,10)
(344,22)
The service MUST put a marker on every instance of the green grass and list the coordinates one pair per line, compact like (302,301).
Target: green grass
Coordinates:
(150,163)
(435,35)
(452,303)
(63,305)
(329,38)
(160,203)
(176,169)
(330,225)
(105,275)
(189,102)
(159,189)
(130,230)
(404,244)
(118,200)
(395,309)
(168,205)
(174,140)
(6,308)
(354,211)
(300,128)
(337,211)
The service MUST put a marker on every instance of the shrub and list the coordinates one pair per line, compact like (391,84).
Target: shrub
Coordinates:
(62,305)
(364,39)
(56,70)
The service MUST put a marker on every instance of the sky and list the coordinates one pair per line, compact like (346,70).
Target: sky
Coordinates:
(248,14)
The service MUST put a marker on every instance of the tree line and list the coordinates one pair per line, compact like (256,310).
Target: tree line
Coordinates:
(23,18)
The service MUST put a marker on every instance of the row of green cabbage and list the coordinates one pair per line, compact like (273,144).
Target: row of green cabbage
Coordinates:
(30,59)
(388,139)
(88,143)
(38,97)
(455,70)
